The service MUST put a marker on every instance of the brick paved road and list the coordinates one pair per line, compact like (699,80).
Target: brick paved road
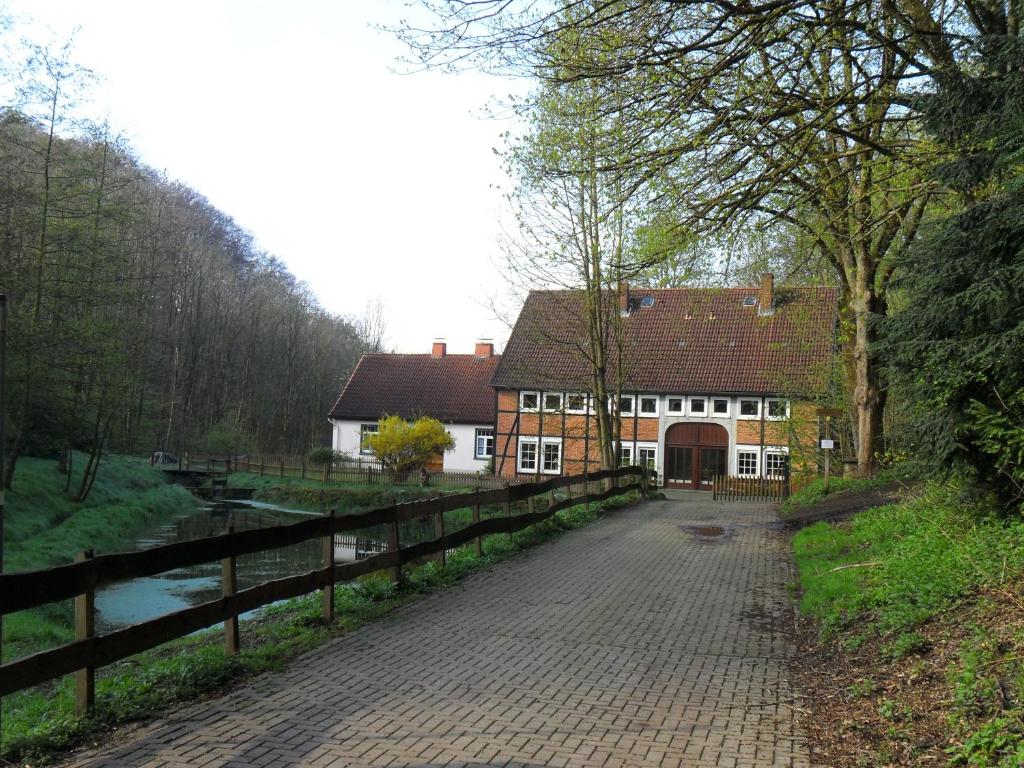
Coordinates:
(633,642)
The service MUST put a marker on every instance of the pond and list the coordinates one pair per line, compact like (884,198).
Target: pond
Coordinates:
(130,602)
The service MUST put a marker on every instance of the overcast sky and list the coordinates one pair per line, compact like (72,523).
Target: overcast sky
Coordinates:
(289,117)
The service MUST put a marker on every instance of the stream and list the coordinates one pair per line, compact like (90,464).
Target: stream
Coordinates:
(130,602)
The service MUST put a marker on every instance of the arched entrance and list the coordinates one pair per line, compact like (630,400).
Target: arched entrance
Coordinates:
(695,454)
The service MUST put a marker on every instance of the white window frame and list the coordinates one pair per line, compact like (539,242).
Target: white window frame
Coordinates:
(776,450)
(523,442)
(539,455)
(624,455)
(649,398)
(476,442)
(682,406)
(689,406)
(728,408)
(752,449)
(544,402)
(767,407)
(583,409)
(367,429)
(648,447)
(522,396)
(747,417)
(632,405)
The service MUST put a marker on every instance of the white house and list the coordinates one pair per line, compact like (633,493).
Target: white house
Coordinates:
(455,389)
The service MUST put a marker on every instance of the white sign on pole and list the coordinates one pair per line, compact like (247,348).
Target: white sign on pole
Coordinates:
(828,444)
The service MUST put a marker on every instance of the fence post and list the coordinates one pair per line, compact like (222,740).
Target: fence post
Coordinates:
(85,618)
(280,461)
(508,508)
(395,546)
(328,464)
(303,467)
(328,562)
(261,465)
(439,532)
(228,587)
(479,539)
(586,488)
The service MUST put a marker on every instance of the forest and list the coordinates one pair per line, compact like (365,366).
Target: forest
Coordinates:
(141,317)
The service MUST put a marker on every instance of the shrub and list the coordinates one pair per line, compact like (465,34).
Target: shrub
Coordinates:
(324,455)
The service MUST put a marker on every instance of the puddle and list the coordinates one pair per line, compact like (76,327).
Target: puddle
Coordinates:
(706,532)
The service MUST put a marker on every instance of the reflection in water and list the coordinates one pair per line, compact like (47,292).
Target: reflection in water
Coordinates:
(129,602)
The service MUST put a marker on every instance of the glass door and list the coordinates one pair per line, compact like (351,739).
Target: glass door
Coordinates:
(712,463)
(680,464)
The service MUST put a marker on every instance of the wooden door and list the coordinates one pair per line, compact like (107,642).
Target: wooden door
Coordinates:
(695,453)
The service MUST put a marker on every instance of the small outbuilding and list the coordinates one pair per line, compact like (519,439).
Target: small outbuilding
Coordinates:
(454,389)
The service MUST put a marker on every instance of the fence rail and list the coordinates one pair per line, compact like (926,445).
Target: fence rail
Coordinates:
(358,470)
(79,580)
(776,490)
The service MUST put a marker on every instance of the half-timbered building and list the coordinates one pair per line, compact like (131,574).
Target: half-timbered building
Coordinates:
(709,381)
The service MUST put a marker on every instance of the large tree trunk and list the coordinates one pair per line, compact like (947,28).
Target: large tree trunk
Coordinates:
(868,393)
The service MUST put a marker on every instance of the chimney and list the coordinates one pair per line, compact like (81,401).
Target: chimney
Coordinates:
(623,298)
(484,348)
(439,348)
(766,294)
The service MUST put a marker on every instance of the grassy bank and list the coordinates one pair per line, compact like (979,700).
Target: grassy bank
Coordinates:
(45,527)
(918,618)
(38,724)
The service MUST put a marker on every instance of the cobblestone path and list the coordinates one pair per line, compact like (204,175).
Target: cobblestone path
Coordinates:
(646,639)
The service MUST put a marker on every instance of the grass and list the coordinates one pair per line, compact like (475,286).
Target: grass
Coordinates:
(40,723)
(893,583)
(45,527)
(814,492)
(896,566)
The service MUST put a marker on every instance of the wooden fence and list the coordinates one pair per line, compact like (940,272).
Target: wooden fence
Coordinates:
(359,470)
(79,580)
(774,490)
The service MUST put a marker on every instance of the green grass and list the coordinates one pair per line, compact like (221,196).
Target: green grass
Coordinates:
(39,723)
(45,527)
(929,560)
(893,567)
(814,492)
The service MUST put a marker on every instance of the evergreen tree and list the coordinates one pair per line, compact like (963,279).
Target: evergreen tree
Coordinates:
(957,348)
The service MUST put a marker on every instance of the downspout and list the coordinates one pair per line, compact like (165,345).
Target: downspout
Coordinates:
(540,436)
(760,452)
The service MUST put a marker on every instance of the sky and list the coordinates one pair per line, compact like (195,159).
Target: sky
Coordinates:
(297,120)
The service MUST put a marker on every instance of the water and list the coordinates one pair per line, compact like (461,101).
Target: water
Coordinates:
(130,602)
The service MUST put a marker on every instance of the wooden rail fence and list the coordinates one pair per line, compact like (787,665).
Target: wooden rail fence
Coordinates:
(358,470)
(80,579)
(776,490)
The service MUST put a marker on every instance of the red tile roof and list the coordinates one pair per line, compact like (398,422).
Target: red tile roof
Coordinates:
(691,340)
(452,388)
